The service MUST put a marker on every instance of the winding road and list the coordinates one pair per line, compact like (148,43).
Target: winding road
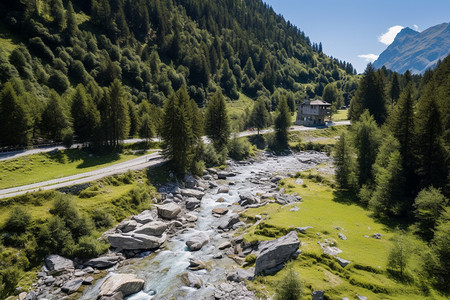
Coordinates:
(139,163)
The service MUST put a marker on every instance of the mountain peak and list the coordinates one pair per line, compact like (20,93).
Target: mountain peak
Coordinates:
(416,51)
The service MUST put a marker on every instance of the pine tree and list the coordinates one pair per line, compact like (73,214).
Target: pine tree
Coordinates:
(370,95)
(58,14)
(176,133)
(86,117)
(366,136)
(54,119)
(146,130)
(72,26)
(344,161)
(259,116)
(394,90)
(118,116)
(432,157)
(249,69)
(228,82)
(401,123)
(217,124)
(387,197)
(282,123)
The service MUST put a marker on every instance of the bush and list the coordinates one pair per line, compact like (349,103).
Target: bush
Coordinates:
(290,286)
(10,277)
(210,156)
(67,137)
(240,149)
(55,237)
(198,167)
(102,219)
(258,141)
(89,247)
(18,221)
(251,259)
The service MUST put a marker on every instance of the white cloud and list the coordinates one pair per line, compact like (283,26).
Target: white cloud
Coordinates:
(389,36)
(416,28)
(369,57)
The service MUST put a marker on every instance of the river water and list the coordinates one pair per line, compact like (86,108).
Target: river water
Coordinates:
(161,271)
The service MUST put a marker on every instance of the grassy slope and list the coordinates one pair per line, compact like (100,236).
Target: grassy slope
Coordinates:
(45,166)
(324,210)
(341,115)
(237,108)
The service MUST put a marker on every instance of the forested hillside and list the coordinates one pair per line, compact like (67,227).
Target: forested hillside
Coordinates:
(66,67)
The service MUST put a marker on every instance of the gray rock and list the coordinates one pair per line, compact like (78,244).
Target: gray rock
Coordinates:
(22,295)
(190,182)
(276,252)
(220,211)
(133,241)
(56,264)
(48,280)
(144,217)
(79,273)
(333,251)
(116,296)
(342,262)
(128,225)
(224,245)
(222,175)
(191,280)
(196,265)
(197,241)
(303,229)
(31,296)
(88,280)
(191,218)
(361,297)
(218,255)
(241,275)
(318,295)
(88,270)
(295,208)
(72,286)
(247,198)
(192,193)
(155,228)
(342,236)
(223,190)
(127,284)
(192,203)
(228,223)
(103,262)
(377,236)
(168,211)
(298,181)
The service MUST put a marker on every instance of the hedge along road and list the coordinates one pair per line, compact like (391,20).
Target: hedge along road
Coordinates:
(139,163)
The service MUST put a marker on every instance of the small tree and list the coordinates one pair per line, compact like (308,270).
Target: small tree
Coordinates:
(217,124)
(259,116)
(282,123)
(399,253)
(429,205)
(345,163)
(290,286)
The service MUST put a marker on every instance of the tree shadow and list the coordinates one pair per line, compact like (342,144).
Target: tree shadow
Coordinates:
(86,156)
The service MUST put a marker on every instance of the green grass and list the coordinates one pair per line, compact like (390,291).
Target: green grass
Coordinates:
(340,115)
(324,209)
(8,41)
(236,109)
(46,166)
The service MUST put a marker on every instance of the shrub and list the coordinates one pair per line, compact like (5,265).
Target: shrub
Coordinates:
(10,277)
(89,247)
(240,149)
(198,167)
(67,137)
(18,220)
(102,219)
(251,258)
(290,286)
(55,237)
(210,156)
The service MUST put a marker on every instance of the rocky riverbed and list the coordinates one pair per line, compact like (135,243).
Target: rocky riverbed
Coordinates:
(187,246)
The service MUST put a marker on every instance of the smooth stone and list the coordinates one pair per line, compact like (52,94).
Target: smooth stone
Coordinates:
(191,280)
(144,217)
(197,241)
(127,284)
(88,280)
(127,226)
(192,203)
(220,200)
(227,224)
(342,236)
(168,211)
(132,241)
(72,286)
(295,208)
(342,262)
(103,262)
(220,211)
(57,264)
(192,193)
(223,190)
(155,228)
(191,218)
(241,275)
(224,245)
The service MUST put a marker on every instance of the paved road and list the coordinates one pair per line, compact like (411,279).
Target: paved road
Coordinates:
(139,163)
(133,164)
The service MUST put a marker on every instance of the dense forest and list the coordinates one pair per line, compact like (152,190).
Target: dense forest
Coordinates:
(99,71)
(396,158)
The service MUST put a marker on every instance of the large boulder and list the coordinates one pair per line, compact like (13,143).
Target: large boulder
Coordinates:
(228,223)
(275,253)
(128,225)
(56,264)
(168,211)
(240,275)
(144,217)
(72,286)
(191,280)
(103,262)
(135,241)
(192,193)
(155,228)
(246,198)
(197,241)
(192,203)
(127,284)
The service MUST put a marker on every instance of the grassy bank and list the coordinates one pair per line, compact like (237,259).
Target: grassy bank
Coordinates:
(46,166)
(330,213)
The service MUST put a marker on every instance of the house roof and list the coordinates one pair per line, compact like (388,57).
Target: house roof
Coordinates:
(317,102)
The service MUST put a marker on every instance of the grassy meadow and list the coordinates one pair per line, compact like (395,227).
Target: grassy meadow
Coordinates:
(330,213)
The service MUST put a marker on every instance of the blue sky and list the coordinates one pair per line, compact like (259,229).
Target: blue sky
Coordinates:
(350,30)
